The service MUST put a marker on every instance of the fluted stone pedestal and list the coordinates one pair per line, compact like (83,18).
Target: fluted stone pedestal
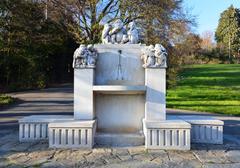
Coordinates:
(167,134)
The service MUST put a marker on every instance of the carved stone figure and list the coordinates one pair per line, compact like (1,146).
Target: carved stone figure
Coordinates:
(148,56)
(92,56)
(151,57)
(133,33)
(125,39)
(161,55)
(144,55)
(80,57)
(117,32)
(154,57)
(106,38)
(85,57)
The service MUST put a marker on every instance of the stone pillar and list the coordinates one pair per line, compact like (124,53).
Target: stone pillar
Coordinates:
(155,81)
(83,94)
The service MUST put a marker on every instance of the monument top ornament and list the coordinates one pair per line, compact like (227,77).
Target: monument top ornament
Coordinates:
(116,33)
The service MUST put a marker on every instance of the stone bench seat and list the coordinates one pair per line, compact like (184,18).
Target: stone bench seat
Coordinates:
(72,134)
(35,127)
(167,134)
(204,129)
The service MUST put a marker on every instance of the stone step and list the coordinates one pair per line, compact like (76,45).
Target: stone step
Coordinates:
(121,139)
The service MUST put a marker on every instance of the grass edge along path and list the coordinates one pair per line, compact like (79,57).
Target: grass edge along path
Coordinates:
(5,100)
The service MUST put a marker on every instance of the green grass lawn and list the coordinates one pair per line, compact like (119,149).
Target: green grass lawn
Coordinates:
(210,88)
(5,100)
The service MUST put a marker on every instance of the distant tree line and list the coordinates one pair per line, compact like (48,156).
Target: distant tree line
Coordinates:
(37,39)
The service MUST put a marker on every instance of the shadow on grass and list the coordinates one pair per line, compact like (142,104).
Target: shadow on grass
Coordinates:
(210,75)
(204,105)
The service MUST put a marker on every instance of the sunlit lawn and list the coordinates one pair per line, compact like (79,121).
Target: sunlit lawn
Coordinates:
(209,88)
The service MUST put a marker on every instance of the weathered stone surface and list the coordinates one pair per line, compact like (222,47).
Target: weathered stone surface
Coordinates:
(213,156)
(136,150)
(185,164)
(39,157)
(133,164)
(143,157)
(122,154)
(97,157)
(233,156)
(180,156)
(229,165)
(110,159)
(19,158)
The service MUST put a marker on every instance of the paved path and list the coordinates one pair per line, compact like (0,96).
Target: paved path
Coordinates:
(60,101)
(46,101)
(14,154)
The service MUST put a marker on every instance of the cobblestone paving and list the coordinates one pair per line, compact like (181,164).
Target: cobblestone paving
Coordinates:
(15,154)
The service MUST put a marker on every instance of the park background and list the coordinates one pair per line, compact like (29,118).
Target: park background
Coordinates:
(38,38)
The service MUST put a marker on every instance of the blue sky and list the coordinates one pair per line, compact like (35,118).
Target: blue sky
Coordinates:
(207,12)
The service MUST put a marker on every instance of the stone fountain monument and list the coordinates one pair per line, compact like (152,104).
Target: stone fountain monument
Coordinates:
(119,100)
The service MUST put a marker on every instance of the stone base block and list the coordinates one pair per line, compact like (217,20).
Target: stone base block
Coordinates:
(35,127)
(119,140)
(72,134)
(204,129)
(168,134)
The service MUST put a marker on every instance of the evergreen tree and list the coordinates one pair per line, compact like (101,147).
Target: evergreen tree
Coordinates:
(228,30)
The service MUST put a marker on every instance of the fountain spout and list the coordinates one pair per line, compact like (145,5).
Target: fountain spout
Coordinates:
(119,68)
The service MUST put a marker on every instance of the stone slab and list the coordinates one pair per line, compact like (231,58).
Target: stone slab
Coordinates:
(35,127)
(168,134)
(108,139)
(204,120)
(44,118)
(72,123)
(167,124)
(72,134)
(119,89)
(204,129)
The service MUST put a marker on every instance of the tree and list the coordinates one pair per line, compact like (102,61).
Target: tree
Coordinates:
(159,20)
(189,48)
(31,46)
(82,18)
(228,30)
(207,40)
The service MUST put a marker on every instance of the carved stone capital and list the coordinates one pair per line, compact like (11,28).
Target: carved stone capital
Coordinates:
(154,56)
(85,57)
